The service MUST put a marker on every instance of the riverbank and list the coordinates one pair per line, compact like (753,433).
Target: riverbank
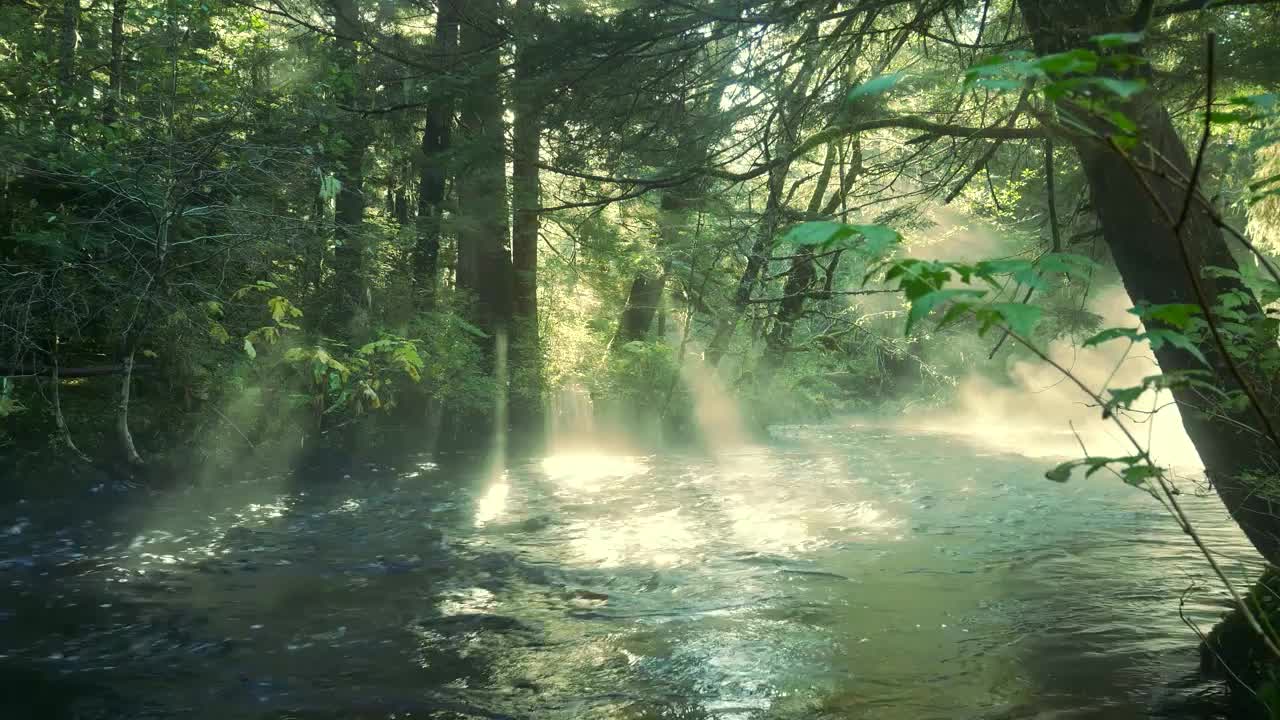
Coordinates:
(1235,653)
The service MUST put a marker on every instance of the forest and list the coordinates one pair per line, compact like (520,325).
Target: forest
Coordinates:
(467,268)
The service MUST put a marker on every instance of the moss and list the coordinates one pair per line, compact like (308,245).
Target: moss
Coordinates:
(1235,652)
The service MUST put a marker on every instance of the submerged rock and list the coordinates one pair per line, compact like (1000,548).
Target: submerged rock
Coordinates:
(474,622)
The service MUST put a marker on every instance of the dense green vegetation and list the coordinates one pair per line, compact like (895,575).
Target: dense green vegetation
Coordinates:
(262,230)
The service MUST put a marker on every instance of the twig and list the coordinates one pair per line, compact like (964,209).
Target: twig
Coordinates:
(1184,521)
(235,427)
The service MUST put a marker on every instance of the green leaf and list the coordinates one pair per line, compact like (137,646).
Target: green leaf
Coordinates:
(282,308)
(1177,315)
(249,349)
(1001,84)
(878,238)
(471,329)
(330,186)
(877,85)
(1123,122)
(218,332)
(1264,101)
(817,233)
(925,304)
(1019,65)
(1069,264)
(1020,318)
(1230,118)
(1117,39)
(1125,143)
(1158,337)
(1078,61)
(1138,474)
(1122,88)
(1112,334)
(825,234)
(1061,473)
(1125,397)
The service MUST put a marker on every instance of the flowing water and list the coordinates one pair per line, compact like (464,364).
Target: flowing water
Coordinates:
(837,572)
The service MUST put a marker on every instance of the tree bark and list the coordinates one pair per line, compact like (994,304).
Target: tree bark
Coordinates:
(800,279)
(526,193)
(348,316)
(484,250)
(1133,210)
(60,421)
(115,82)
(645,293)
(68,43)
(123,434)
(433,169)
(756,261)
(642,304)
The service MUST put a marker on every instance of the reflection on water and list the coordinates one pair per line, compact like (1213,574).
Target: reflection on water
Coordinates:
(493,502)
(837,573)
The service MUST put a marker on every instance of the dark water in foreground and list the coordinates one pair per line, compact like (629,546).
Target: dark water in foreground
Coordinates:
(837,573)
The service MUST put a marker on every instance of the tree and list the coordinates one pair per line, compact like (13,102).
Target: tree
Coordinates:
(433,162)
(526,194)
(349,309)
(483,230)
(1164,239)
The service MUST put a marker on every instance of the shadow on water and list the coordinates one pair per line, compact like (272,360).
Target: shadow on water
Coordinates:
(241,600)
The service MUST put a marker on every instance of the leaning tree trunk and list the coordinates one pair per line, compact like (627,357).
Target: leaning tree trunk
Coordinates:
(800,279)
(1237,447)
(642,304)
(645,294)
(766,235)
(123,434)
(794,96)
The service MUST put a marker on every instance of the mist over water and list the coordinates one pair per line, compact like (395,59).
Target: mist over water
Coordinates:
(1034,410)
(1040,412)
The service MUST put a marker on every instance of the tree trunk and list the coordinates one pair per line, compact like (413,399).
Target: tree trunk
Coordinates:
(433,169)
(1238,456)
(348,316)
(790,107)
(115,91)
(757,259)
(526,193)
(645,294)
(68,43)
(64,432)
(484,250)
(642,304)
(800,278)
(123,435)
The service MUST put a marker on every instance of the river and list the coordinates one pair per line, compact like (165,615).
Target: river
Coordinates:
(844,571)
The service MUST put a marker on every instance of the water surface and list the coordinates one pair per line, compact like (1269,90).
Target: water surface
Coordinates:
(838,572)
